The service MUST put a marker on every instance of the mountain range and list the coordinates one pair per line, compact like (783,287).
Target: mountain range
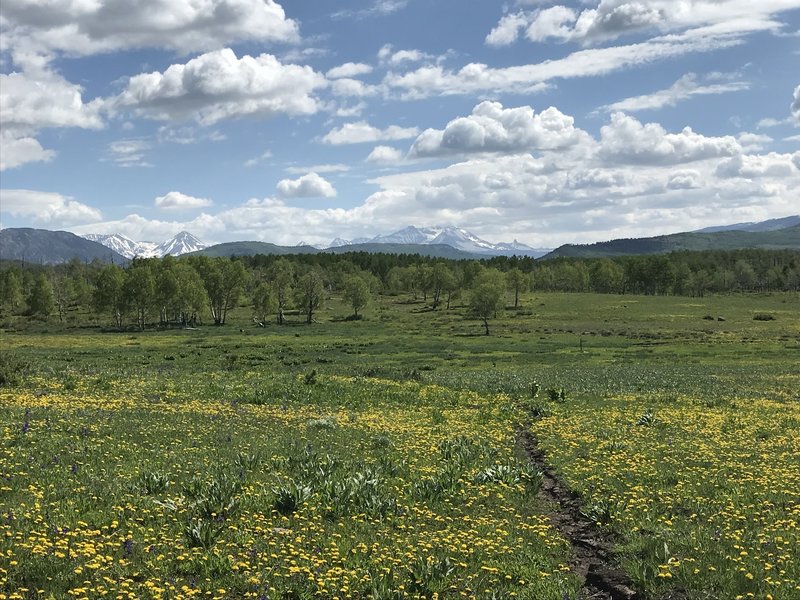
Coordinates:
(455,237)
(53,247)
(183,243)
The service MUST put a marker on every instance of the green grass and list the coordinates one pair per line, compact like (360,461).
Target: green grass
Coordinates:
(368,455)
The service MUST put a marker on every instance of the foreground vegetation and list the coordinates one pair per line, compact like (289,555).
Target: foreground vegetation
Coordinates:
(378,458)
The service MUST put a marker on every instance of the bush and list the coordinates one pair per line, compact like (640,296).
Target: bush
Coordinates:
(12,369)
(763,317)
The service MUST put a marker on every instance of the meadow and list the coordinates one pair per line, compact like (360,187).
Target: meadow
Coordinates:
(381,458)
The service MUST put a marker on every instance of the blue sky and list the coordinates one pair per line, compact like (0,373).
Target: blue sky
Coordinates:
(543,121)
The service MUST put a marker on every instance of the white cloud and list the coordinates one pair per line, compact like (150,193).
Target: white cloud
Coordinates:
(772,165)
(310,185)
(507,30)
(179,201)
(218,85)
(552,22)
(492,128)
(136,227)
(331,168)
(46,207)
(252,162)
(352,87)
(795,108)
(610,19)
(626,140)
(379,8)
(18,150)
(129,152)
(79,27)
(361,132)
(753,142)
(30,102)
(477,78)
(686,87)
(388,55)
(349,69)
(385,155)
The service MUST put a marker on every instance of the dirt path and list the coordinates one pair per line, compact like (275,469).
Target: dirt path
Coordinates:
(594,549)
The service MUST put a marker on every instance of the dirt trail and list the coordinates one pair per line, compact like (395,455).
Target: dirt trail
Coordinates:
(594,549)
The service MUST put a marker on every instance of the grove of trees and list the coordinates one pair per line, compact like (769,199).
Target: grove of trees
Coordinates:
(190,290)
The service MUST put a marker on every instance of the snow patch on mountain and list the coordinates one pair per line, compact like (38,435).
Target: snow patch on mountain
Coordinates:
(182,243)
(456,237)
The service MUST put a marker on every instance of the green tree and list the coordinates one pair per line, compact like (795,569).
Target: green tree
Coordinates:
(224,281)
(263,301)
(11,296)
(356,293)
(517,282)
(606,276)
(309,293)
(63,293)
(139,289)
(108,295)
(40,301)
(281,276)
(486,296)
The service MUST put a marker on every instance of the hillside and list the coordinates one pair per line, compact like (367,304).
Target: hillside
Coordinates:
(251,249)
(52,247)
(720,240)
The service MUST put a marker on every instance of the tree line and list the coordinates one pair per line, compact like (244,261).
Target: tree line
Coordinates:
(192,290)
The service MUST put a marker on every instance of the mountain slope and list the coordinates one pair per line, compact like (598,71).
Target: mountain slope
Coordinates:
(770,225)
(720,240)
(124,246)
(182,243)
(52,247)
(229,249)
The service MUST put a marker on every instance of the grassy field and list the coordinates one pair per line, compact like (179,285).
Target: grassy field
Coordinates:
(380,458)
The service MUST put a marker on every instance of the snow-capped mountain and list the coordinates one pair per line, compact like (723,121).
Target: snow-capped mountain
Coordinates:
(456,237)
(181,244)
(125,246)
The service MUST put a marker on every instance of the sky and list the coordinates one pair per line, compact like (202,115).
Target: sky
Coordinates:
(542,121)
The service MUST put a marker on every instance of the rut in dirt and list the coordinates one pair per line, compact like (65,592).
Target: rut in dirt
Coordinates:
(594,558)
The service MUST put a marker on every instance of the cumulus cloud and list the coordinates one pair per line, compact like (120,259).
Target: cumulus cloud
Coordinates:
(385,155)
(79,28)
(20,149)
(507,30)
(179,201)
(310,185)
(626,140)
(362,132)
(349,69)
(47,208)
(772,165)
(686,87)
(388,55)
(492,128)
(42,99)
(610,19)
(795,108)
(218,85)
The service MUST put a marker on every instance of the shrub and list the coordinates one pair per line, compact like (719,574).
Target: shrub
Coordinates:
(12,369)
